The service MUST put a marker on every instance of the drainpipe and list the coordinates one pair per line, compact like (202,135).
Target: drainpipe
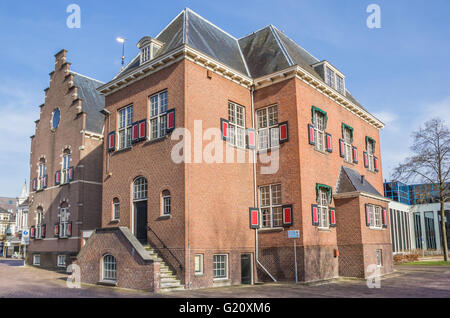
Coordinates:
(255,191)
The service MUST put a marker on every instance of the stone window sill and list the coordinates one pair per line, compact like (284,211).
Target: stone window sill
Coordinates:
(164,217)
(271,230)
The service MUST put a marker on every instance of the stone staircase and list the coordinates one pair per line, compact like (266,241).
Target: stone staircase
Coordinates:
(169,281)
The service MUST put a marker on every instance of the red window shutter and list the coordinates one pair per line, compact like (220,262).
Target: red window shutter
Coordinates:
(288,215)
(170,120)
(43,230)
(56,230)
(329,143)
(34,184)
(45,182)
(366,160)
(367,215)
(251,138)
(375,159)
(254,218)
(142,130)
(315,215)
(112,141)
(332,217)
(341,148)
(284,132)
(224,128)
(311,135)
(71,174)
(385,221)
(69,229)
(58,177)
(32,232)
(134,132)
(355,155)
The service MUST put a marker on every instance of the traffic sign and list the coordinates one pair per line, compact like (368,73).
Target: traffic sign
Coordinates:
(25,237)
(294,234)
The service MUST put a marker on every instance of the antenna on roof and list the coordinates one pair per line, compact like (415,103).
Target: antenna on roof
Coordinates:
(122,40)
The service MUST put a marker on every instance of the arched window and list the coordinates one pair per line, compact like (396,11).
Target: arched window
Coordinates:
(56,116)
(41,179)
(166,203)
(65,166)
(39,222)
(64,220)
(109,268)
(116,209)
(140,188)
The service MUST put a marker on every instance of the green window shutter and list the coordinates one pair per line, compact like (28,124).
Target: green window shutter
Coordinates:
(328,189)
(345,126)
(317,109)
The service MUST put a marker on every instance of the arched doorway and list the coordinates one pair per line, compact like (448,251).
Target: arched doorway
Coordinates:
(140,190)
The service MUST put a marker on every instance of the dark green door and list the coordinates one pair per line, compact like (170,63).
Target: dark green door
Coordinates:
(246,269)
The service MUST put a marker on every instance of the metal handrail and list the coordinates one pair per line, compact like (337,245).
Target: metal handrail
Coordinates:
(165,247)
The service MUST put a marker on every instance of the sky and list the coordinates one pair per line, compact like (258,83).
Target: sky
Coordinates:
(399,72)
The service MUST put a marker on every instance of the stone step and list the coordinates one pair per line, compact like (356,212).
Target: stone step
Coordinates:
(171,289)
(169,280)
(170,284)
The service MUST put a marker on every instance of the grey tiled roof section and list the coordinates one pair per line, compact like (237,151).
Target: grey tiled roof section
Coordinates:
(93,102)
(355,179)
(173,35)
(263,54)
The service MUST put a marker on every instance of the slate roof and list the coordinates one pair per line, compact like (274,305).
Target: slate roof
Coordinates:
(350,181)
(93,102)
(263,52)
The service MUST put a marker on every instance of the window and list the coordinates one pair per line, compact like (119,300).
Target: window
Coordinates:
(220,266)
(41,176)
(268,131)
(56,116)
(65,167)
(39,220)
(116,209)
(236,118)
(379,258)
(370,153)
(375,216)
(158,115)
(322,205)
(64,220)
(109,268)
(339,84)
(145,54)
(348,140)
(319,130)
(166,204)
(271,209)
(329,78)
(140,188)
(37,260)
(125,123)
(198,264)
(61,262)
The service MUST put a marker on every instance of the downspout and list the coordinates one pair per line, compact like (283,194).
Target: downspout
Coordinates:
(255,190)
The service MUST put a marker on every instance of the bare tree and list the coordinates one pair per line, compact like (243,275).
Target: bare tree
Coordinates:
(430,163)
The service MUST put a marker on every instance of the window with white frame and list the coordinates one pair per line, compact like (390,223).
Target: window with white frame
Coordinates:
(319,130)
(158,115)
(125,123)
(339,84)
(322,205)
(334,80)
(348,154)
(375,217)
(145,54)
(268,131)
(64,220)
(198,264)
(61,261)
(116,209)
(109,268)
(271,207)
(166,203)
(220,266)
(379,255)
(37,260)
(41,175)
(329,76)
(39,221)
(370,154)
(236,118)
(65,166)
(140,189)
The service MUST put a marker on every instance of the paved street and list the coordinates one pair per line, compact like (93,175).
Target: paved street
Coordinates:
(407,281)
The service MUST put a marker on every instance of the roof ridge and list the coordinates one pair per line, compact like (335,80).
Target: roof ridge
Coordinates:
(212,24)
(302,48)
(182,12)
(90,78)
(281,45)
(254,32)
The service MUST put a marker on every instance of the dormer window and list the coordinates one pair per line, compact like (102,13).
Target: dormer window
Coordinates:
(331,76)
(149,48)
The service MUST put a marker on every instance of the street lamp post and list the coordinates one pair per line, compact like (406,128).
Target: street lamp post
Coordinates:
(122,40)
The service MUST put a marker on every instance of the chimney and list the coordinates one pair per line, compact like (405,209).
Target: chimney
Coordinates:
(362,179)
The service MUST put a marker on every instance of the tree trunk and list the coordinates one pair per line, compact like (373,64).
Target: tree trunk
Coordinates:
(444,232)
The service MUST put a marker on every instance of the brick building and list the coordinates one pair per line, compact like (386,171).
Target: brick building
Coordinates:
(65,167)
(306,157)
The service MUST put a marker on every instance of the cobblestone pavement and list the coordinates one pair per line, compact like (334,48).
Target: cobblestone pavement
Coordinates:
(407,281)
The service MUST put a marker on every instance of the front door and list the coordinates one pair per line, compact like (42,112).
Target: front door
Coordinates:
(141,221)
(246,269)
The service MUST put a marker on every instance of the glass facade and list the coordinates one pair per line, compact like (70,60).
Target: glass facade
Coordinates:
(412,194)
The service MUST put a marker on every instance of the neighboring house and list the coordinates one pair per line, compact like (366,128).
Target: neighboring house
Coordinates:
(5,222)
(22,211)
(171,219)
(416,217)
(66,167)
